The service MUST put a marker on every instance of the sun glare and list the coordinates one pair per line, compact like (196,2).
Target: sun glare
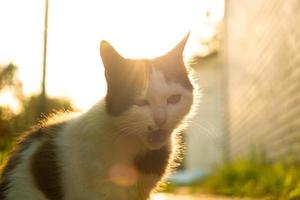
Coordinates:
(158,197)
(7,98)
(137,28)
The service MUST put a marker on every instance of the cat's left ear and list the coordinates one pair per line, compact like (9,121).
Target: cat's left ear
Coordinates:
(177,51)
(173,66)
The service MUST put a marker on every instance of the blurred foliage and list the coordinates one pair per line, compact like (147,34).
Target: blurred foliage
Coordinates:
(254,178)
(31,115)
(12,124)
(8,81)
(7,74)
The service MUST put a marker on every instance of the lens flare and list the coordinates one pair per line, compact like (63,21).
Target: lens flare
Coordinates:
(123,175)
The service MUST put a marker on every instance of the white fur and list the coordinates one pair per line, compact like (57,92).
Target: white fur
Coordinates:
(92,144)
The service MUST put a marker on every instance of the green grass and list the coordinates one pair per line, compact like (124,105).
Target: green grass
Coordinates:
(256,179)
(252,178)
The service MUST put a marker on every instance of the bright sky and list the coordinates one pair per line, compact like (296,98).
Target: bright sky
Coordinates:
(137,28)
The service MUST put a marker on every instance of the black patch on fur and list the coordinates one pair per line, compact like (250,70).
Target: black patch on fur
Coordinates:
(124,78)
(153,162)
(123,85)
(46,170)
(15,156)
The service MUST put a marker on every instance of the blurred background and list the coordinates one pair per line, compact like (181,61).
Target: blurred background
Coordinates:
(245,138)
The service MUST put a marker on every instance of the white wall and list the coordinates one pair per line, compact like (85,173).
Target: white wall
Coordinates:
(262,59)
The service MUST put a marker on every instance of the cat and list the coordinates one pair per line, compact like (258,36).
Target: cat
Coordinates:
(119,149)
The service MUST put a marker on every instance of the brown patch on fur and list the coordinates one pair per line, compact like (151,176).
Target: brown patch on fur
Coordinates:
(125,78)
(46,171)
(15,157)
(153,162)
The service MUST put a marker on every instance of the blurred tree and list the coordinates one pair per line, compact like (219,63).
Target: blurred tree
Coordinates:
(8,82)
(11,123)
(7,74)
(31,106)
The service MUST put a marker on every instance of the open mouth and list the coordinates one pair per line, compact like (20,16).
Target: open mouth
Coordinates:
(158,137)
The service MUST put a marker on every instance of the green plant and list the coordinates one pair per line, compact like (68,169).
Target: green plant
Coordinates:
(256,179)
(253,177)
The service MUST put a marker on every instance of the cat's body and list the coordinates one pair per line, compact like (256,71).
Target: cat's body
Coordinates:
(119,149)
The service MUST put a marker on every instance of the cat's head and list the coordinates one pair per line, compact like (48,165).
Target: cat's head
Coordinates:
(147,98)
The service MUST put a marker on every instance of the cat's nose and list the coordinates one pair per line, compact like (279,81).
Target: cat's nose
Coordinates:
(159,121)
(160,117)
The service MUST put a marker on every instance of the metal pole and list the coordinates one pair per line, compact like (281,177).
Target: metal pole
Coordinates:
(43,92)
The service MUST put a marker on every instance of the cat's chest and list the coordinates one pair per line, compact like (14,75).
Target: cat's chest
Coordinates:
(129,171)
(126,167)
(152,162)
(135,158)
(117,172)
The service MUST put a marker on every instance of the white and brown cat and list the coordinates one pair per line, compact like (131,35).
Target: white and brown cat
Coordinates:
(119,149)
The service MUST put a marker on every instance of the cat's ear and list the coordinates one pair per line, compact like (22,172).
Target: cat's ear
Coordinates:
(121,79)
(110,57)
(114,65)
(173,66)
(177,51)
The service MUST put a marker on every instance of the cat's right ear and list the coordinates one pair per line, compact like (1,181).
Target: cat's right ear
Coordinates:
(116,74)
(110,57)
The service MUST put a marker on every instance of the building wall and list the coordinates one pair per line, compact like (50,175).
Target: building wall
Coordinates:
(262,62)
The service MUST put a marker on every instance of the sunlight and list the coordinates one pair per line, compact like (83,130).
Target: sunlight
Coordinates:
(7,98)
(137,28)
(158,197)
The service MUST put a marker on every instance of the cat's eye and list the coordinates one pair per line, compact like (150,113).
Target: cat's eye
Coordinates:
(174,99)
(141,102)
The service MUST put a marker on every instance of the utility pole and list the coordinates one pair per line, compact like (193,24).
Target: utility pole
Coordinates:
(43,95)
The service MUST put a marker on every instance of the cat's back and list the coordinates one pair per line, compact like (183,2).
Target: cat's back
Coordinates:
(23,175)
